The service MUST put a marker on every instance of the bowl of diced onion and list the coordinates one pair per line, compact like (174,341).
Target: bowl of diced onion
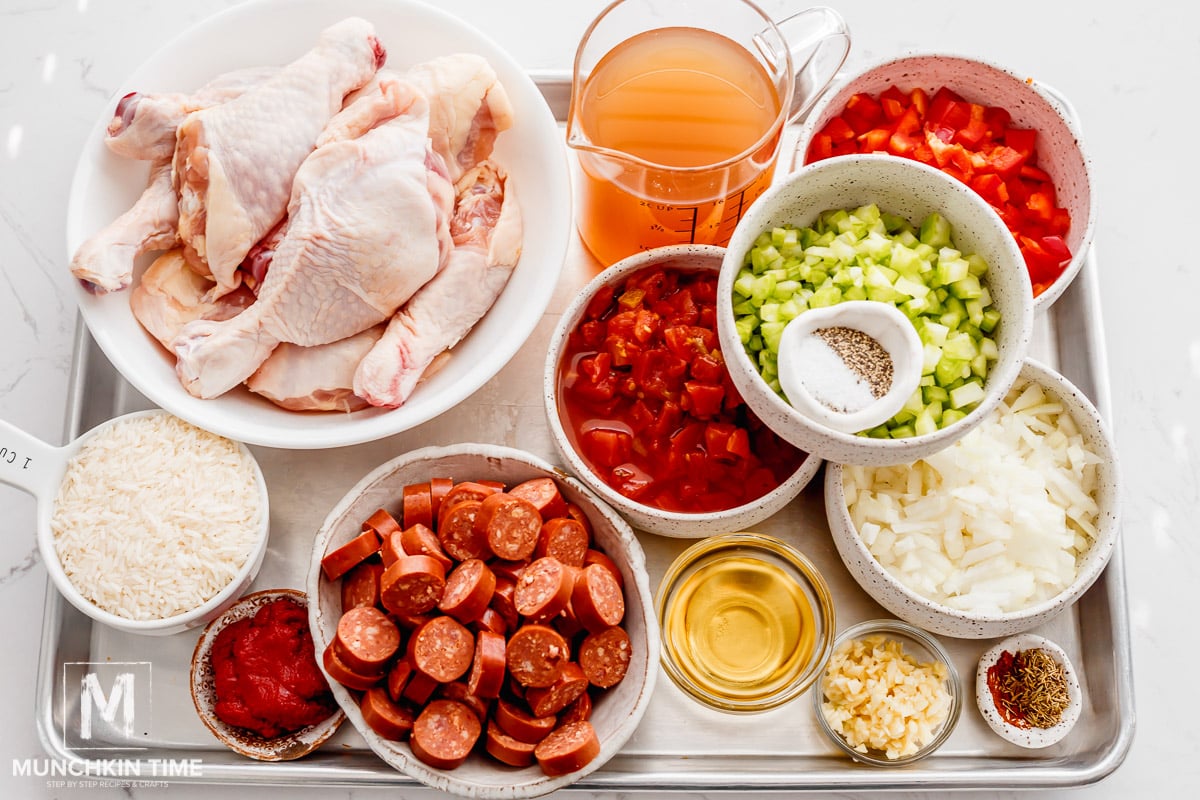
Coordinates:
(999,532)
(884,229)
(889,695)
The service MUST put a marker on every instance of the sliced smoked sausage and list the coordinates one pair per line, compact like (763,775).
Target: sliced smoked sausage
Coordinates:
(340,561)
(360,586)
(508,749)
(604,657)
(596,599)
(442,649)
(543,589)
(412,585)
(488,666)
(389,719)
(545,496)
(509,524)
(469,590)
(566,689)
(365,640)
(568,748)
(457,534)
(444,733)
(535,654)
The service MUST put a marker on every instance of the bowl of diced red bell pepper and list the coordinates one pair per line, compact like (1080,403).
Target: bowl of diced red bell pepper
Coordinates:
(643,409)
(1005,135)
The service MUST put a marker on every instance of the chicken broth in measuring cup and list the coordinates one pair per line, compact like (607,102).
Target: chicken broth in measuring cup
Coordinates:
(677,128)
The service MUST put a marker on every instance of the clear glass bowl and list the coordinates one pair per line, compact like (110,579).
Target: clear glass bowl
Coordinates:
(925,649)
(747,622)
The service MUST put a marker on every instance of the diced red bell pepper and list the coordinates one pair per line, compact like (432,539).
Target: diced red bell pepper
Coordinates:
(863,112)
(703,400)
(607,447)
(971,134)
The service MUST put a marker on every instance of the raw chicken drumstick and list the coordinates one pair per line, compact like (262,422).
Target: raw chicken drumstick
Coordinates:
(144,124)
(235,162)
(487,234)
(362,237)
(105,261)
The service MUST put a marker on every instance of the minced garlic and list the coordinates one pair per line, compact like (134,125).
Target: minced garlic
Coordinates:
(877,697)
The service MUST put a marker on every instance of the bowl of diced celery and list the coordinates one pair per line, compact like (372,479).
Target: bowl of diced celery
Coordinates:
(891,230)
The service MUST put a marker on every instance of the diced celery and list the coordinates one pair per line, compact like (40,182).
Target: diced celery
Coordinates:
(966,394)
(769,312)
(744,284)
(902,432)
(771,332)
(976,265)
(932,332)
(949,370)
(910,287)
(967,288)
(855,293)
(951,416)
(825,296)
(742,308)
(950,270)
(755,344)
(879,432)
(935,230)
(960,346)
(784,289)
(764,287)
(991,318)
(914,403)
(790,309)
(925,423)
(989,348)
(745,327)
(932,356)
(934,394)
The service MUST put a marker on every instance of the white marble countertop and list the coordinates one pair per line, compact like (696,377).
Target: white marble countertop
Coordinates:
(1128,69)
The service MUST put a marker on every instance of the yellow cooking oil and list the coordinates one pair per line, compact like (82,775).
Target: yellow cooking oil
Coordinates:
(739,627)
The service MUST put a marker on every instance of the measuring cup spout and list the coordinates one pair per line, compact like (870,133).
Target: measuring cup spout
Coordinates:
(28,463)
(819,41)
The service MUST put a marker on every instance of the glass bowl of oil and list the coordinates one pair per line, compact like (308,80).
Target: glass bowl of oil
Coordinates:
(747,622)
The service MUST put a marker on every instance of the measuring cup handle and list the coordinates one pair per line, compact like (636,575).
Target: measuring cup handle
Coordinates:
(819,41)
(28,463)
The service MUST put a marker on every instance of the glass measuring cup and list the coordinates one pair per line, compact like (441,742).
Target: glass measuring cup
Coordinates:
(677,114)
(38,468)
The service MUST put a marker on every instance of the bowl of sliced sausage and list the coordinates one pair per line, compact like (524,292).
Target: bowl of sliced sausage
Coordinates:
(485,620)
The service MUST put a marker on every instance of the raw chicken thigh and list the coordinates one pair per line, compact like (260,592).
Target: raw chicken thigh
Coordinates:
(171,294)
(315,378)
(362,237)
(235,162)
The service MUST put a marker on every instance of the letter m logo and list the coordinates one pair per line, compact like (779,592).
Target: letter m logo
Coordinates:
(106,705)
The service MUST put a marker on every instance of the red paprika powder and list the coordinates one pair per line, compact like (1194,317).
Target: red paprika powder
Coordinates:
(265,672)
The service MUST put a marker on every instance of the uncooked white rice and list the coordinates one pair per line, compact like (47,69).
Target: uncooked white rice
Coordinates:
(155,516)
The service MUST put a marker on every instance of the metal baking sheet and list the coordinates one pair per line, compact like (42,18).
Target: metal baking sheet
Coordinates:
(679,745)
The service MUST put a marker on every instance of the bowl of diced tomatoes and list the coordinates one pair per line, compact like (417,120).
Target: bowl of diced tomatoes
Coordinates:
(1006,135)
(642,407)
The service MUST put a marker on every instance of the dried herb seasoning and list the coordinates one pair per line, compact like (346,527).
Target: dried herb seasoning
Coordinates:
(1029,688)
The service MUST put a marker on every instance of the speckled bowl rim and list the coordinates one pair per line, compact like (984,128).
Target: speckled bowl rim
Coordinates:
(909,635)
(653,520)
(282,748)
(835,446)
(1041,91)
(1031,738)
(985,625)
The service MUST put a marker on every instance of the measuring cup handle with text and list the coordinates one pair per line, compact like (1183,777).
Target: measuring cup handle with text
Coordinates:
(28,463)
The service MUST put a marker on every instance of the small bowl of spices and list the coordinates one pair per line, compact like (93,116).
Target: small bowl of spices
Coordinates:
(255,680)
(1028,691)
(851,366)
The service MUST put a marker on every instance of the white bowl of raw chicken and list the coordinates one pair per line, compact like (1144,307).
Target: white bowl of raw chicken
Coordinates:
(273,34)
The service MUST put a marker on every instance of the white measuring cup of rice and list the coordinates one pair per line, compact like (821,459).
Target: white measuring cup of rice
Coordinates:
(38,468)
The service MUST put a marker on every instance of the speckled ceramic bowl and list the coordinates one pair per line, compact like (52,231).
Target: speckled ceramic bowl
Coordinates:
(912,607)
(643,516)
(1060,150)
(280,748)
(1030,737)
(913,191)
(617,711)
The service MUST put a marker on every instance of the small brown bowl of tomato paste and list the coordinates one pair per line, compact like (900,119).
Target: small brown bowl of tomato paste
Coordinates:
(642,407)
(255,680)
(1006,135)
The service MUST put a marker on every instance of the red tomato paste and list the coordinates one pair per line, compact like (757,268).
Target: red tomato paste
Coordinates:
(647,399)
(265,674)
(971,142)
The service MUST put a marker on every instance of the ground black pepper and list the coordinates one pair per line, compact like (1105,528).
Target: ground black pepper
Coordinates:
(867,358)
